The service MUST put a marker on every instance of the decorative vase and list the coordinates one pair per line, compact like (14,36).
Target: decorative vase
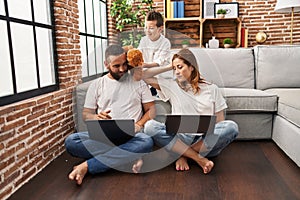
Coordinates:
(185,46)
(227,45)
(213,43)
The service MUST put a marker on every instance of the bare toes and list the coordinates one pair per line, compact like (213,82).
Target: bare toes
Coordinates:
(182,165)
(78,173)
(208,167)
(137,166)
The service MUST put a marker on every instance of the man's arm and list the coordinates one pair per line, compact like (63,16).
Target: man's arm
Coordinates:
(149,113)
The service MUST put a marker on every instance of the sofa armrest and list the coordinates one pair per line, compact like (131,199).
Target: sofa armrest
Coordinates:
(79,98)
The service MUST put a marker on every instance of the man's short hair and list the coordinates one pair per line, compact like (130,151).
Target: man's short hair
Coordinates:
(153,15)
(113,50)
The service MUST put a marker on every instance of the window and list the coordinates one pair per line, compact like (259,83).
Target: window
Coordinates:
(93,37)
(27,56)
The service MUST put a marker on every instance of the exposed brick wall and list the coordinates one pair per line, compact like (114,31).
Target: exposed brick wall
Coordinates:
(259,15)
(112,31)
(32,132)
(256,15)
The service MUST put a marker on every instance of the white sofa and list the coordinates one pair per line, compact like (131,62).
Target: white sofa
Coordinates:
(278,72)
(261,86)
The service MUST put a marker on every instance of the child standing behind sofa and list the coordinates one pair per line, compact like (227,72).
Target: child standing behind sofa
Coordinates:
(154,46)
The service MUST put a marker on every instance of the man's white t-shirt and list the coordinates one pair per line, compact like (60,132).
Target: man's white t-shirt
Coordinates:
(206,102)
(124,97)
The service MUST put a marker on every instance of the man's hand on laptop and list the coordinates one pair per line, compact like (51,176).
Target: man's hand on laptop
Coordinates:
(104,115)
(90,114)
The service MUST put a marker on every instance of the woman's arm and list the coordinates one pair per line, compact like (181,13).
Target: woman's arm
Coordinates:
(153,71)
(220,116)
(150,65)
(149,73)
(153,82)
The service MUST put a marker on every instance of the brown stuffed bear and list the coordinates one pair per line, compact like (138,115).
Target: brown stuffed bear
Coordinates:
(135,57)
(135,62)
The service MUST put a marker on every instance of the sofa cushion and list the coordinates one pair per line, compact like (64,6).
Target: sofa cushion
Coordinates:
(288,104)
(226,67)
(241,100)
(277,66)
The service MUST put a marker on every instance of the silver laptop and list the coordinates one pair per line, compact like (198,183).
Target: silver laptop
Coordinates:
(190,124)
(112,132)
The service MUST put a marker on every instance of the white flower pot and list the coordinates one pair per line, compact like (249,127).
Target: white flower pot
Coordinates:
(220,16)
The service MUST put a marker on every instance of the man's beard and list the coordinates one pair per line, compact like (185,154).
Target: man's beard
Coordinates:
(116,76)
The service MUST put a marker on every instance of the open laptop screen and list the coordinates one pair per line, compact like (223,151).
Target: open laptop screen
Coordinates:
(190,124)
(112,132)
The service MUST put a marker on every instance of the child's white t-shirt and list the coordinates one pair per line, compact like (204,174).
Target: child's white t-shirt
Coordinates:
(156,51)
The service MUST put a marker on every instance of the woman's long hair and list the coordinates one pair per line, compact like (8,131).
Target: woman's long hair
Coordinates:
(189,59)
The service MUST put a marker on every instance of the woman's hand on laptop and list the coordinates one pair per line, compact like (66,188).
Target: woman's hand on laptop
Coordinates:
(137,128)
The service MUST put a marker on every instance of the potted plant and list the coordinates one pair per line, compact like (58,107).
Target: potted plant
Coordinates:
(221,13)
(127,16)
(185,43)
(227,42)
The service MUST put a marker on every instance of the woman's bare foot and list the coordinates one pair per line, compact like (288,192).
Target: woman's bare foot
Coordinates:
(181,164)
(137,166)
(206,165)
(79,172)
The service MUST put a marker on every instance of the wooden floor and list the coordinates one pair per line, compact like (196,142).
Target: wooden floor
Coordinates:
(245,170)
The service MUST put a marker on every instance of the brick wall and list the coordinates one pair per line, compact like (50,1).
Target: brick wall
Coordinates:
(256,15)
(32,132)
(259,15)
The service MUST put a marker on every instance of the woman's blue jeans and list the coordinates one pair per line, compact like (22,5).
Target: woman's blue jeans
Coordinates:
(225,132)
(101,157)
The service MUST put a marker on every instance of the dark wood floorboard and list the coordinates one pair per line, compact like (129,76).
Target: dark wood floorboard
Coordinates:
(245,170)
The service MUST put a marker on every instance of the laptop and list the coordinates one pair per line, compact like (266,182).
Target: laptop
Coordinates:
(190,124)
(113,132)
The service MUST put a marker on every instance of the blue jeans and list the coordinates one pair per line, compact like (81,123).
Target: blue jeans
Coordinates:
(225,132)
(101,157)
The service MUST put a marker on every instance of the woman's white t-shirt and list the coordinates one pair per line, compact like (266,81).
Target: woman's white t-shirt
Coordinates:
(206,102)
(124,97)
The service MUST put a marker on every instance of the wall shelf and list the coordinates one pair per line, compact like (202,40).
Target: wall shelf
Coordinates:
(222,28)
(196,29)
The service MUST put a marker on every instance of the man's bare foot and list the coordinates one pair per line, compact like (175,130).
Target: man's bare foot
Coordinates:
(206,165)
(181,164)
(79,172)
(137,166)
